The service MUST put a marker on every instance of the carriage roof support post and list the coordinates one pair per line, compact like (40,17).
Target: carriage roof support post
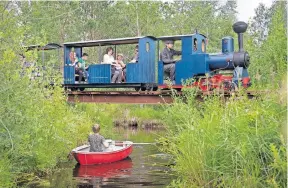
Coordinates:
(99,53)
(158,50)
(43,62)
(115,54)
(43,56)
(59,59)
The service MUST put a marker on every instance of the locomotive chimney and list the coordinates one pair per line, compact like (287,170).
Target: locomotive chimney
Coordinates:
(240,28)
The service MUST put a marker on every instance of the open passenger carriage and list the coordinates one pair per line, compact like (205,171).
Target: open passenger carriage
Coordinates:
(138,75)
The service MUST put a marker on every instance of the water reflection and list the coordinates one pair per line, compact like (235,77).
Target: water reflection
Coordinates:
(117,169)
(144,168)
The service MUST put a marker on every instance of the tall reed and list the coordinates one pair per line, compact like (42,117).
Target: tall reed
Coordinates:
(236,143)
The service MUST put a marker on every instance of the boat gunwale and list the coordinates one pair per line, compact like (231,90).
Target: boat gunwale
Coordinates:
(76,150)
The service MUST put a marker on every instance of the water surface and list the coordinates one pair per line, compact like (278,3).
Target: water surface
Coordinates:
(146,167)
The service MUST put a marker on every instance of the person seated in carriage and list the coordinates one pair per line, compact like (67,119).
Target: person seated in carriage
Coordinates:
(80,66)
(120,62)
(136,55)
(29,67)
(73,57)
(116,68)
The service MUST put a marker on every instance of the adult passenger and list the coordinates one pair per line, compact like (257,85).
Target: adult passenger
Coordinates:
(26,67)
(167,57)
(24,63)
(116,69)
(80,67)
(97,142)
(136,55)
(72,56)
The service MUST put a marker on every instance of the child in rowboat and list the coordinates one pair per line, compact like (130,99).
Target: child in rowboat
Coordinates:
(97,142)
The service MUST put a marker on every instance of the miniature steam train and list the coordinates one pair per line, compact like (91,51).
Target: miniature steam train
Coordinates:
(225,70)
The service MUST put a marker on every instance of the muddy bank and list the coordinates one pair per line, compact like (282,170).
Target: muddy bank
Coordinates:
(135,123)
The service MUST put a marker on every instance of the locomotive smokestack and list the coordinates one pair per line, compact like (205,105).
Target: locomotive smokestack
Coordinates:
(240,28)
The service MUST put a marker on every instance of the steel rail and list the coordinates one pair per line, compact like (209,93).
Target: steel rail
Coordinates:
(142,97)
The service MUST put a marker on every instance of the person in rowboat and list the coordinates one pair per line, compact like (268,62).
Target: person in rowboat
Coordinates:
(97,142)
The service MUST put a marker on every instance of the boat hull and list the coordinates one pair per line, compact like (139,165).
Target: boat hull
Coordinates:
(91,158)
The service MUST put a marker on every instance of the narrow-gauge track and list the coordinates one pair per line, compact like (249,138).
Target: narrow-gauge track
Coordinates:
(134,97)
(125,97)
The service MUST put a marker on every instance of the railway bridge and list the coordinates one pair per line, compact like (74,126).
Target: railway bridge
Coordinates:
(141,97)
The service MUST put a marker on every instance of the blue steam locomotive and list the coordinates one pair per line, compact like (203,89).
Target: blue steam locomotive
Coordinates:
(225,70)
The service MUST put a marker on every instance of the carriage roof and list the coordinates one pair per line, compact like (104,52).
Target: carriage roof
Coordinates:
(177,37)
(49,46)
(106,42)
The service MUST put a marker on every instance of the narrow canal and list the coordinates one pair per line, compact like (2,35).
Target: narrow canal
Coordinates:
(146,167)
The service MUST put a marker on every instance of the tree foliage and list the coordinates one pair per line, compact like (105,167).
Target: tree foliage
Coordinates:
(269,60)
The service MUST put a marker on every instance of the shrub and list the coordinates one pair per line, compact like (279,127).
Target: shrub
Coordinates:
(37,127)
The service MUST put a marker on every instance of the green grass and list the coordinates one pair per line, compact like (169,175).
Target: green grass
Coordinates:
(237,143)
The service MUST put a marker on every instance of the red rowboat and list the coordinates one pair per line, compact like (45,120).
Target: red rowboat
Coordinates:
(116,152)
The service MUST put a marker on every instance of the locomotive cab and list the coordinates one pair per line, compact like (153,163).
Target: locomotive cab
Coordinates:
(192,62)
(209,71)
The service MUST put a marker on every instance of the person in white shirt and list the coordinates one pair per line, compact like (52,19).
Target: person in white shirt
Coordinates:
(116,71)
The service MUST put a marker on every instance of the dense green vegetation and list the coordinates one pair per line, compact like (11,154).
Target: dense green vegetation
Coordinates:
(233,144)
(38,127)
(237,143)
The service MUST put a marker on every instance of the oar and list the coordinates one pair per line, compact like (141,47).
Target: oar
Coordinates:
(121,143)
(144,143)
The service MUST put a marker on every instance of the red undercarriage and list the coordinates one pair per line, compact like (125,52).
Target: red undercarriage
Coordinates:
(218,81)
